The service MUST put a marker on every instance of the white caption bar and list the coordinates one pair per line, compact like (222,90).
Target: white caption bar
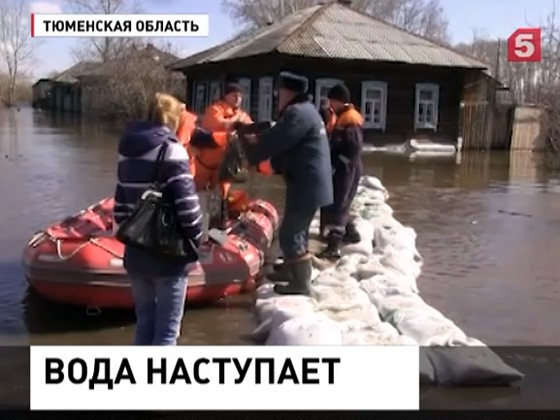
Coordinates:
(224,378)
(137,25)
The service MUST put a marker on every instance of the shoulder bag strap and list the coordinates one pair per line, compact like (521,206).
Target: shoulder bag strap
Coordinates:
(159,160)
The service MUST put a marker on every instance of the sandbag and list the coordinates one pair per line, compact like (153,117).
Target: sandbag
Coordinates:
(332,277)
(267,300)
(264,301)
(373,212)
(339,298)
(380,286)
(283,308)
(427,372)
(470,366)
(372,267)
(401,262)
(400,238)
(428,327)
(389,303)
(373,183)
(310,330)
(382,334)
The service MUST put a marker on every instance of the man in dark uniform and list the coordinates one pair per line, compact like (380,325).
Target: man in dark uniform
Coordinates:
(346,141)
(297,147)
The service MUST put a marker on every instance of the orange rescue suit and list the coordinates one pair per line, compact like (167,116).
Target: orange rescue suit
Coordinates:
(207,161)
(187,124)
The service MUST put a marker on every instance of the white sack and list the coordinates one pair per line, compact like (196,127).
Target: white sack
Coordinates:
(346,304)
(401,262)
(333,277)
(398,237)
(372,182)
(380,286)
(470,366)
(339,298)
(264,301)
(310,330)
(382,334)
(282,309)
(370,268)
(389,304)
(428,328)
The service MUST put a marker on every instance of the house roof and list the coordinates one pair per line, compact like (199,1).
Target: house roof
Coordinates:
(44,79)
(335,31)
(69,75)
(148,54)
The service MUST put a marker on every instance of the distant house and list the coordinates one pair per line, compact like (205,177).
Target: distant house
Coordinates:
(407,87)
(62,92)
(42,93)
(125,80)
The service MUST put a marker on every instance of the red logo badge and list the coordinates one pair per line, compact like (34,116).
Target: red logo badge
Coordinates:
(524,45)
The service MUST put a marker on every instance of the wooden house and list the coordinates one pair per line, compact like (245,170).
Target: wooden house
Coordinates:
(406,86)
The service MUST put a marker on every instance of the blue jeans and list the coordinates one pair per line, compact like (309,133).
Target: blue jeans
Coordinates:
(159,305)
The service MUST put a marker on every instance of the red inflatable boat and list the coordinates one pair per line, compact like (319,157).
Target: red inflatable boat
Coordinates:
(79,261)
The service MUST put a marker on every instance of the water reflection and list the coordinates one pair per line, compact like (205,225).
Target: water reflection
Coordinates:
(487,223)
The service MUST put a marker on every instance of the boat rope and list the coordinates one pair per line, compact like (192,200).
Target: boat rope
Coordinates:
(40,237)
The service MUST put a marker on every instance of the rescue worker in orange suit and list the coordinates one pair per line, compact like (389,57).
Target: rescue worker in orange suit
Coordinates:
(346,143)
(187,124)
(221,118)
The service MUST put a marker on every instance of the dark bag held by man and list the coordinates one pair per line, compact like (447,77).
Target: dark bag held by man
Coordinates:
(154,226)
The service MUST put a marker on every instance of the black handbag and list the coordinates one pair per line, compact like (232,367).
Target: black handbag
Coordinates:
(154,226)
(233,165)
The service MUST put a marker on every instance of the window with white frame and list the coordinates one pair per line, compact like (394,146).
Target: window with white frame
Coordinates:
(199,97)
(427,106)
(374,104)
(246,86)
(322,87)
(214,94)
(266,98)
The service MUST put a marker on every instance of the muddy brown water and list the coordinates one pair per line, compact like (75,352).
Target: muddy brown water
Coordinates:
(488,228)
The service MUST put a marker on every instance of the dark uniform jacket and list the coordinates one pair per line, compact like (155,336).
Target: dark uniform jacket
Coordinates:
(346,141)
(299,149)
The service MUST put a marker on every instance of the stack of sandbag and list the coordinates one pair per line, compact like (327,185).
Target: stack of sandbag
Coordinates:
(371,297)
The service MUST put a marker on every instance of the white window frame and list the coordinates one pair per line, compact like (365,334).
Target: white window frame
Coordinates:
(214,92)
(324,83)
(381,87)
(266,100)
(434,88)
(199,89)
(245,84)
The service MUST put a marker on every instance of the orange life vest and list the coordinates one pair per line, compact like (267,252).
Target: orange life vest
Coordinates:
(187,123)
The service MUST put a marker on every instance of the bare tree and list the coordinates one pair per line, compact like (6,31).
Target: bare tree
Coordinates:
(422,17)
(107,48)
(127,83)
(16,45)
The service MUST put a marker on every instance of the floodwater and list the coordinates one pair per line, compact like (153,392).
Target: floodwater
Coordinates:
(488,228)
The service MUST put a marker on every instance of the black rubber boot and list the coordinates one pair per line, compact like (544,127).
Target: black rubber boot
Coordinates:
(351,235)
(332,251)
(282,274)
(300,279)
(322,226)
(278,264)
(224,214)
